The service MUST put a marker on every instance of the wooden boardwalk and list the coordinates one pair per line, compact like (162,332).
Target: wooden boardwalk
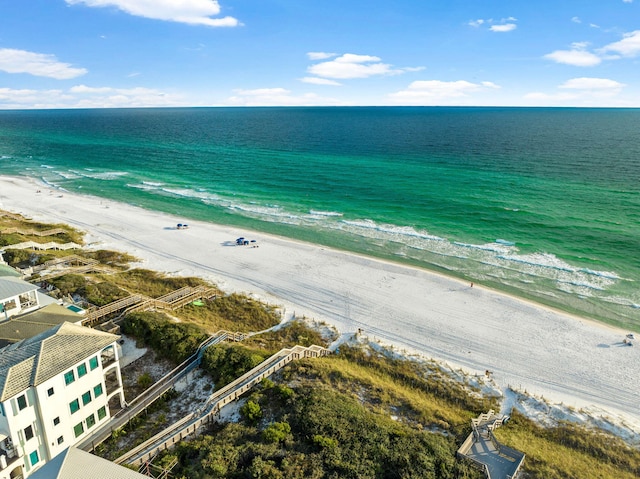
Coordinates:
(481,447)
(139,302)
(153,393)
(193,423)
(32,232)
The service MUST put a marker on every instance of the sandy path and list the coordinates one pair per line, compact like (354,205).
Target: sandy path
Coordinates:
(546,352)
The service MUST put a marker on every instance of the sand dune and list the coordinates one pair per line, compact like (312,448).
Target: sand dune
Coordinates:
(563,357)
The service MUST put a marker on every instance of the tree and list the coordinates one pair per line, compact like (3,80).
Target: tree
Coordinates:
(251,412)
(276,432)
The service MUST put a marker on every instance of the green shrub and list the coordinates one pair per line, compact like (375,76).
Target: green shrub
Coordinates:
(69,283)
(173,341)
(226,362)
(145,380)
(251,412)
(276,432)
(17,257)
(101,294)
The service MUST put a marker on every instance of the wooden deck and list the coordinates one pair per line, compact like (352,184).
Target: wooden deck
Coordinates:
(482,449)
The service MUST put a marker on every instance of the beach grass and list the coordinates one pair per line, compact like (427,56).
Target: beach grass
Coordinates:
(569,451)
(233,312)
(151,283)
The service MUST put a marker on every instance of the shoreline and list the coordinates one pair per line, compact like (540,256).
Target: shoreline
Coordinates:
(531,347)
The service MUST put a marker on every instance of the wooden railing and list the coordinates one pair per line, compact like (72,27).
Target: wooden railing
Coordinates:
(192,423)
(133,303)
(32,232)
(92,317)
(43,246)
(482,431)
(149,396)
(13,216)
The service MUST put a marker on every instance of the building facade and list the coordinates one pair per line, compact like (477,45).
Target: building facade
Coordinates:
(55,389)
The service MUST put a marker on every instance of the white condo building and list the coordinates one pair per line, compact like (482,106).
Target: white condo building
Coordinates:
(55,389)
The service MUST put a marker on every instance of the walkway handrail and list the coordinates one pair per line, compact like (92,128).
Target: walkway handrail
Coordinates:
(41,246)
(93,316)
(194,421)
(144,400)
(482,432)
(32,232)
(13,216)
(184,367)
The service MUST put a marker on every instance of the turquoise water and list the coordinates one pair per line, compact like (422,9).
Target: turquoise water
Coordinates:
(542,203)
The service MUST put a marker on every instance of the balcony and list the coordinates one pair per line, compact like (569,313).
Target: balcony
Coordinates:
(11,455)
(108,357)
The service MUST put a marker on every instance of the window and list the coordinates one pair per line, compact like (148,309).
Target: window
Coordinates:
(97,390)
(69,377)
(78,429)
(28,433)
(33,458)
(82,370)
(9,305)
(50,392)
(93,362)
(91,421)
(22,402)
(2,411)
(56,421)
(60,439)
(102,412)
(86,398)
(74,406)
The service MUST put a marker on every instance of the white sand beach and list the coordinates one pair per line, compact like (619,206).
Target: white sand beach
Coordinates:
(545,352)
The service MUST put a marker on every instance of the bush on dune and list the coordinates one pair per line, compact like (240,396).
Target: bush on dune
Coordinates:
(171,340)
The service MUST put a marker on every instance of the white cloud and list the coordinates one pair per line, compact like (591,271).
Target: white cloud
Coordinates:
(194,12)
(629,46)
(83,96)
(436,92)
(13,98)
(278,97)
(582,91)
(320,55)
(38,64)
(585,83)
(506,27)
(576,20)
(86,89)
(576,57)
(627,1)
(350,66)
(319,81)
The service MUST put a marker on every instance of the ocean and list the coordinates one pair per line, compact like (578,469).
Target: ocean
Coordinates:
(540,203)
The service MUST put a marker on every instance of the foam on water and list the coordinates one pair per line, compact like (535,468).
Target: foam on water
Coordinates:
(325,213)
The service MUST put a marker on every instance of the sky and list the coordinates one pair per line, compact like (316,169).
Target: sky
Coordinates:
(167,53)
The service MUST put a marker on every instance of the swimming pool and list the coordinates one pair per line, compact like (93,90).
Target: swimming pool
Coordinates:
(75,309)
